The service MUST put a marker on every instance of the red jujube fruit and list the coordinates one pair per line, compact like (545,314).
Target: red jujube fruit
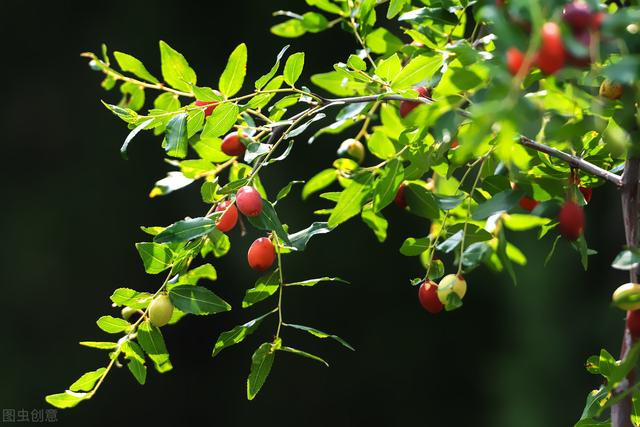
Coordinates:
(261,254)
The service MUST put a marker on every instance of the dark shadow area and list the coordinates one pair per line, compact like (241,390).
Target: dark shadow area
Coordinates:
(71,211)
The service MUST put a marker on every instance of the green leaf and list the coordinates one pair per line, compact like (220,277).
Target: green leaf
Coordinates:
(132,351)
(221,120)
(265,78)
(293,68)
(100,345)
(68,399)
(304,354)
(112,325)
(356,63)
(255,150)
(395,7)
(326,5)
(264,287)
(197,300)
(521,222)
(155,257)
(133,65)
(337,84)
(314,22)
(87,381)
(385,188)
(132,134)
(635,408)
(284,192)
(592,423)
(291,28)
(185,230)
(268,220)
(175,69)
(376,222)
(504,257)
(419,69)
(628,259)
(261,363)
(319,334)
(503,201)
(421,201)
(193,276)
(151,340)
(383,42)
(300,239)
(414,247)
(351,200)
(138,370)
(238,334)
(388,68)
(474,254)
(381,146)
(451,243)
(319,181)
(130,298)
(592,407)
(174,180)
(176,136)
(447,203)
(233,75)
(313,282)
(218,243)
(625,71)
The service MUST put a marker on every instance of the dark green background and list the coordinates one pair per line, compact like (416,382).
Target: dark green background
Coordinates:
(71,207)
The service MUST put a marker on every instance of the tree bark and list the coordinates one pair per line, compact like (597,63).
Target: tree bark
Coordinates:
(621,412)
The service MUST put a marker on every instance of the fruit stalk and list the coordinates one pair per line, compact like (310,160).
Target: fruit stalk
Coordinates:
(621,412)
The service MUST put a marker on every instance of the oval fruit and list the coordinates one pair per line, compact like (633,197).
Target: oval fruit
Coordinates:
(627,296)
(249,201)
(528,204)
(571,221)
(160,310)
(451,283)
(232,145)
(400,200)
(577,15)
(611,90)
(352,148)
(229,218)
(428,297)
(211,106)
(261,254)
(407,106)
(552,55)
(586,193)
(515,59)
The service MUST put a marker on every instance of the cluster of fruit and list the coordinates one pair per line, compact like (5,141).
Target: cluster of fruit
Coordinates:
(553,56)
(260,256)
(433,297)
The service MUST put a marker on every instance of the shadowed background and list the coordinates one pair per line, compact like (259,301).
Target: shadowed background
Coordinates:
(72,206)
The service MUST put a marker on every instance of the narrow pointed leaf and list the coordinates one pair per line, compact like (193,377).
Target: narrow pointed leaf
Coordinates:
(319,334)
(233,75)
(237,334)
(313,282)
(261,363)
(197,300)
(304,354)
(185,230)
